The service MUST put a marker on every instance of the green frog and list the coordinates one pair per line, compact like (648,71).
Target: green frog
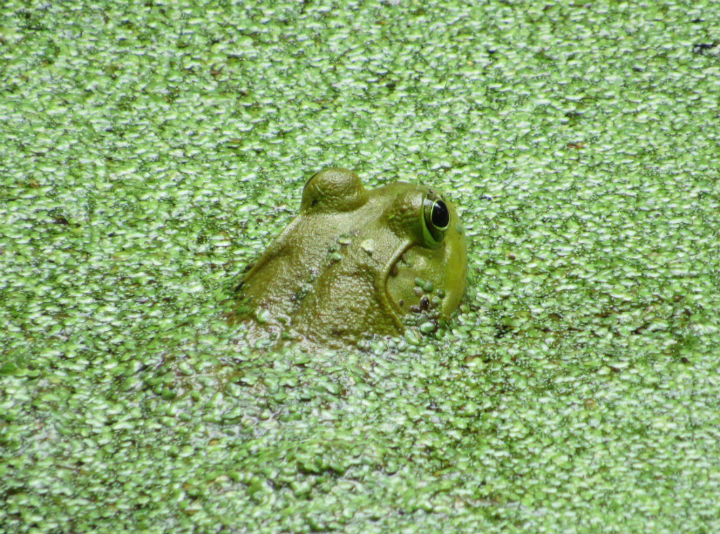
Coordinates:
(355,263)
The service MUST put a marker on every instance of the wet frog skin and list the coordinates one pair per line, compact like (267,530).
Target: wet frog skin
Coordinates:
(354,263)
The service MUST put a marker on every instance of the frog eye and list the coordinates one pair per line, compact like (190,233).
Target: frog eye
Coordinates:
(437,217)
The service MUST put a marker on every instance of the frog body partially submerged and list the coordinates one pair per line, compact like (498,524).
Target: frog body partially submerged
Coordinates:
(355,263)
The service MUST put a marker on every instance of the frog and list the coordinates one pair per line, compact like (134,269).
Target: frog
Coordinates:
(357,263)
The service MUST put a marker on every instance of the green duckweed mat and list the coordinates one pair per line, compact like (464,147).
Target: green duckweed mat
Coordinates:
(149,150)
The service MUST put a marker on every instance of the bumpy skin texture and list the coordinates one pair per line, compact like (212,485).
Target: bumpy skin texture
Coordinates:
(347,265)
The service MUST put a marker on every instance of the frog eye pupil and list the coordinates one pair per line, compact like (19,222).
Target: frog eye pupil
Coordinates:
(440,215)
(436,219)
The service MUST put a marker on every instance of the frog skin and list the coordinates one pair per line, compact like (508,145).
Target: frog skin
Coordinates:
(354,263)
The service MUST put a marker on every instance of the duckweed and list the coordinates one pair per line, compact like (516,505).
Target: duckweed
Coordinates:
(151,151)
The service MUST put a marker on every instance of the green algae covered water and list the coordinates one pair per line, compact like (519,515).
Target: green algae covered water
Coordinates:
(150,150)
